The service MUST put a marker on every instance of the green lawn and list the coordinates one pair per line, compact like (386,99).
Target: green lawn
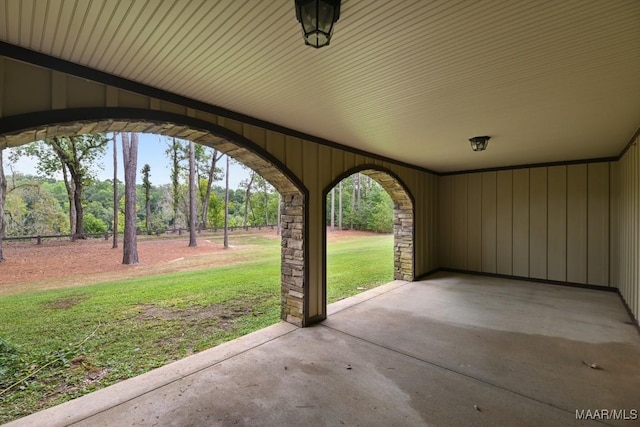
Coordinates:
(357,264)
(60,344)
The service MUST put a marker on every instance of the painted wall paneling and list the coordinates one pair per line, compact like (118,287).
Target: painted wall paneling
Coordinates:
(625,226)
(310,167)
(504,222)
(275,145)
(459,222)
(577,223)
(598,224)
(489,218)
(557,223)
(538,223)
(445,219)
(520,260)
(474,222)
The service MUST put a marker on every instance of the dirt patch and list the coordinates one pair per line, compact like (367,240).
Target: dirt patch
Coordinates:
(64,303)
(225,315)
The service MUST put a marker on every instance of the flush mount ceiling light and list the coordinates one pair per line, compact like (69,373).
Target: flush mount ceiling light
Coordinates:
(479,143)
(317,18)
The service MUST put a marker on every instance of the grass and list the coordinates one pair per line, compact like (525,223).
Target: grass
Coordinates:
(60,344)
(357,264)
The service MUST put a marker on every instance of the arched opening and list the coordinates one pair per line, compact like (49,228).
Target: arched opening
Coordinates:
(293,194)
(37,126)
(403,214)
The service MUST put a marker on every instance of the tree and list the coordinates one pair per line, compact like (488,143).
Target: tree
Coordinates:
(192,195)
(210,178)
(32,209)
(247,184)
(265,191)
(358,196)
(278,230)
(115,192)
(3,194)
(146,184)
(174,151)
(73,152)
(94,225)
(130,160)
(340,206)
(353,203)
(226,207)
(333,208)
(76,156)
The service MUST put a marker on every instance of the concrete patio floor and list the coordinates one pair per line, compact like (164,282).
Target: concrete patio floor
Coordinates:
(453,350)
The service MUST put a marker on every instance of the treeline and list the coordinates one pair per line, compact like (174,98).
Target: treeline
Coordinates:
(81,204)
(359,203)
(39,206)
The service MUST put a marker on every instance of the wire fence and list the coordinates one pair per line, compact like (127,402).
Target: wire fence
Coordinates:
(107,235)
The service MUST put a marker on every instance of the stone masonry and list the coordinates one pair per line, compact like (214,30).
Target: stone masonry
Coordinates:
(292,267)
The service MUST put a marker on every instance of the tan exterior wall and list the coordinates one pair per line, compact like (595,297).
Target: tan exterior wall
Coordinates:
(549,223)
(26,88)
(625,227)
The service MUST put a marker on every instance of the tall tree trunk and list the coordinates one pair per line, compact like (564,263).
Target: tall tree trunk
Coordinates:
(358,195)
(77,201)
(226,206)
(115,192)
(279,229)
(3,193)
(207,196)
(130,160)
(353,203)
(175,176)
(146,184)
(333,208)
(147,209)
(247,196)
(192,195)
(266,203)
(340,206)
(68,185)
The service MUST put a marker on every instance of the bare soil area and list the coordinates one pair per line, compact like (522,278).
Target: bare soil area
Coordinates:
(62,263)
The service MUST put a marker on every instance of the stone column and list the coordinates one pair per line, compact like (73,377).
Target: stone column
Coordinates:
(292,270)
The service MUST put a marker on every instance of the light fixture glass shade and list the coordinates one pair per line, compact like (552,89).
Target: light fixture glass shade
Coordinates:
(317,18)
(479,143)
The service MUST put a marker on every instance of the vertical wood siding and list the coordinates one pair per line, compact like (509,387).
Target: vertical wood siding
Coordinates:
(549,223)
(520,237)
(625,227)
(504,217)
(557,223)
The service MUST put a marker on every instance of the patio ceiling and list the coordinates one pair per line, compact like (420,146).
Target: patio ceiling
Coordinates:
(411,80)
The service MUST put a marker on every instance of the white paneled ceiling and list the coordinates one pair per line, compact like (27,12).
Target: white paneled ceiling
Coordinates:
(411,80)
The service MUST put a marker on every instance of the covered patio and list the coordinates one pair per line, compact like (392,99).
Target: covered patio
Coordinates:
(399,94)
(452,349)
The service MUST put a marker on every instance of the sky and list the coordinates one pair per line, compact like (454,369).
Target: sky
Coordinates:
(151,150)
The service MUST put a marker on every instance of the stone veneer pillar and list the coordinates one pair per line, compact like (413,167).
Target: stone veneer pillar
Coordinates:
(292,268)
(403,240)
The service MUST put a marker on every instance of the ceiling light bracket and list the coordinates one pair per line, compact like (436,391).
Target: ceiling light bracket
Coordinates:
(479,143)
